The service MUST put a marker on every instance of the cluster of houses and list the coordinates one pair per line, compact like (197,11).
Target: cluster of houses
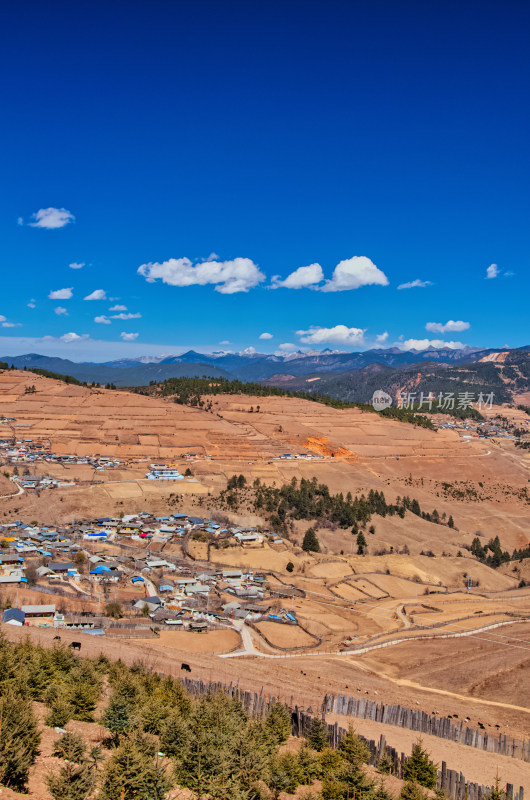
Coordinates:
(475,429)
(301,456)
(74,561)
(31,451)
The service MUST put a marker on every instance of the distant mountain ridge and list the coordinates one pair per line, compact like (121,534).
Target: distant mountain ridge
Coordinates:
(328,368)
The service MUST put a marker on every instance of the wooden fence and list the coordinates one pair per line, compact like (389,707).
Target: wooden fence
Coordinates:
(420,721)
(454,783)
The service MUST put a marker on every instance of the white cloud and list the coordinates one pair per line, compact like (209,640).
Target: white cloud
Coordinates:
(213,257)
(20,220)
(126,316)
(77,265)
(286,347)
(450,325)
(102,320)
(353,273)
(129,337)
(492,271)
(415,284)
(32,303)
(73,337)
(11,324)
(2,318)
(266,335)
(61,294)
(225,342)
(118,308)
(60,311)
(423,344)
(51,218)
(229,277)
(381,337)
(339,334)
(97,294)
(303,277)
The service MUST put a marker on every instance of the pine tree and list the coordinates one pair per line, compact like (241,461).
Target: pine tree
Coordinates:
(279,724)
(419,767)
(318,734)
(119,716)
(60,713)
(131,773)
(353,749)
(311,543)
(381,793)
(385,765)
(175,736)
(357,782)
(412,791)
(71,746)
(19,740)
(497,793)
(72,782)
(361,543)
(310,768)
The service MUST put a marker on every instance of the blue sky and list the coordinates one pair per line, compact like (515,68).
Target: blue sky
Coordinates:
(192,157)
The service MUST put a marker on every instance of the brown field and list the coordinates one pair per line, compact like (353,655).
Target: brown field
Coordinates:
(286,636)
(220,641)
(346,595)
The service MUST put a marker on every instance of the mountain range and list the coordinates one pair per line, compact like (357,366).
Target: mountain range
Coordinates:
(349,376)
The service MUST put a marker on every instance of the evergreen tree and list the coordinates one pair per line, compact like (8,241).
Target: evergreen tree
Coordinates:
(131,773)
(72,782)
(83,696)
(385,765)
(19,740)
(60,713)
(279,724)
(353,749)
(175,736)
(451,522)
(361,543)
(381,793)
(311,543)
(119,717)
(412,791)
(310,768)
(419,767)
(318,734)
(71,746)
(497,793)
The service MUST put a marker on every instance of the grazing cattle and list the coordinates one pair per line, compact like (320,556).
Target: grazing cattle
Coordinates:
(57,638)
(185,667)
(75,645)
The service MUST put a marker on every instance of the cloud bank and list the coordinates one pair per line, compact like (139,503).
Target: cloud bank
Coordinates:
(339,334)
(228,277)
(450,325)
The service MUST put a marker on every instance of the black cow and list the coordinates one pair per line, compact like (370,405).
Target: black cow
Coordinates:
(75,645)
(57,638)
(185,667)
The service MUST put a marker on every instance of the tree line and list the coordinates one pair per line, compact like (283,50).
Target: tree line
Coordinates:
(158,736)
(190,391)
(311,500)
